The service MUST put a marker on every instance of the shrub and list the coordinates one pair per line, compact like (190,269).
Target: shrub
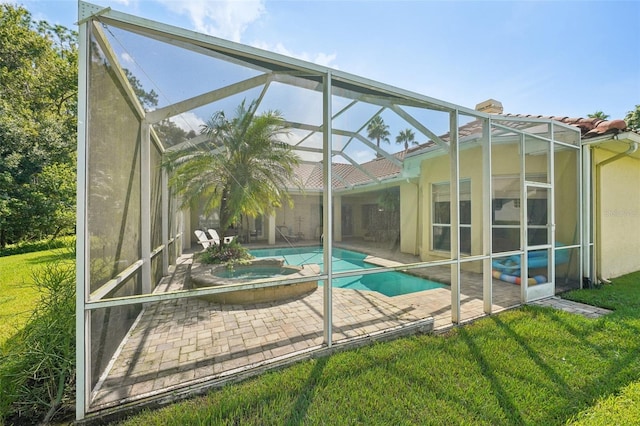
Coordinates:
(31,246)
(228,254)
(37,365)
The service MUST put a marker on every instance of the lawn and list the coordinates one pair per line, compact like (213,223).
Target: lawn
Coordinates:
(18,296)
(527,366)
(532,365)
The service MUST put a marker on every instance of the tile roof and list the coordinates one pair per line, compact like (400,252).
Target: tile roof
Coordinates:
(381,168)
(589,127)
(345,175)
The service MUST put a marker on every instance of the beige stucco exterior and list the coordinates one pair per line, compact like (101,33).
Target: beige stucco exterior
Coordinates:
(616,201)
(617,209)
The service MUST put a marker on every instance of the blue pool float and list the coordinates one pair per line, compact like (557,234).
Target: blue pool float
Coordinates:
(508,269)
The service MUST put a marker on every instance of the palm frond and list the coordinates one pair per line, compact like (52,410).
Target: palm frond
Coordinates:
(244,169)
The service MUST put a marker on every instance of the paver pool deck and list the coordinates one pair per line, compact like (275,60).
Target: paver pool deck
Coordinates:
(187,342)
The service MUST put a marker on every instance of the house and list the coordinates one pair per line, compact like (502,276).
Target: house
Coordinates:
(486,201)
(614,211)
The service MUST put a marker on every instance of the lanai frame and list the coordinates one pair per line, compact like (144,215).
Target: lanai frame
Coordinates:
(158,235)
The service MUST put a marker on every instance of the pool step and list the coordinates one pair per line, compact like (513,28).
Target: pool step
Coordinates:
(379,261)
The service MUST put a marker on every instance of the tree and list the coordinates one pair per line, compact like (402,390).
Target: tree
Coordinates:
(599,114)
(170,133)
(376,129)
(56,185)
(38,109)
(244,170)
(633,119)
(147,99)
(407,137)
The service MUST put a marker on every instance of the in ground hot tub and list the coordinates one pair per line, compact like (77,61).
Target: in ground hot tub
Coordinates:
(265,270)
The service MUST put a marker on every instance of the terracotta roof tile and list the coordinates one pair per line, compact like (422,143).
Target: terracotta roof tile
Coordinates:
(589,127)
(382,168)
(348,174)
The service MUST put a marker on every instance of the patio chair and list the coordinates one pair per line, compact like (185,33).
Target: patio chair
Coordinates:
(203,240)
(283,231)
(216,237)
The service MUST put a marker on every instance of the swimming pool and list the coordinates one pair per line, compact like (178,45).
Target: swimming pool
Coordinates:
(388,283)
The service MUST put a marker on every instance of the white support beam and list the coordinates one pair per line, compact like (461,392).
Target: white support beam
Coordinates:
(359,167)
(145,205)
(552,212)
(415,123)
(586,214)
(327,199)
(247,56)
(454,191)
(524,267)
(293,79)
(364,125)
(206,98)
(373,146)
(344,83)
(347,133)
(303,126)
(380,100)
(166,214)
(308,149)
(333,118)
(101,39)
(191,143)
(196,48)
(487,236)
(263,93)
(83,317)
(156,141)
(341,179)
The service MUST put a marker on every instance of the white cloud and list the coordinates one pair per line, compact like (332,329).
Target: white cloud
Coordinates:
(225,19)
(362,156)
(126,58)
(188,121)
(229,19)
(324,59)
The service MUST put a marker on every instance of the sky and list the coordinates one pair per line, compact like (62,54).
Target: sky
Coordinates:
(561,58)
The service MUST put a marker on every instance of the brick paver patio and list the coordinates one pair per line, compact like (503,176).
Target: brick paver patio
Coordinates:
(190,341)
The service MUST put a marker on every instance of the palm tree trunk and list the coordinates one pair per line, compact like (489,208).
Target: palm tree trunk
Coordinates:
(225,216)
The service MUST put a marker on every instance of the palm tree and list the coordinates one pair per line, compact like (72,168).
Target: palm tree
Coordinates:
(244,171)
(599,114)
(633,119)
(407,137)
(376,129)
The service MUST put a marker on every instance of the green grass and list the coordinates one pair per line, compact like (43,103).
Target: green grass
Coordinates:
(37,363)
(620,409)
(18,296)
(530,366)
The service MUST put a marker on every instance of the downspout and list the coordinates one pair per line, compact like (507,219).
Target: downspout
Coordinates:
(633,147)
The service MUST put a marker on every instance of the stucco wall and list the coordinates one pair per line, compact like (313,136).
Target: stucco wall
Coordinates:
(409,214)
(437,170)
(618,216)
(505,161)
(304,217)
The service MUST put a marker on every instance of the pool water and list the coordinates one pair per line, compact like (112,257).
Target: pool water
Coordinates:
(388,283)
(254,273)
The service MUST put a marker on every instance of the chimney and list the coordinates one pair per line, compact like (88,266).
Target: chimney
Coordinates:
(490,106)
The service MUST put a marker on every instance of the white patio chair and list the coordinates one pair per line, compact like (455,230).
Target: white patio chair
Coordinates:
(216,237)
(203,240)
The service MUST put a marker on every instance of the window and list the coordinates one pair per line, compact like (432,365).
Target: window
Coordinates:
(441,216)
(506,213)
